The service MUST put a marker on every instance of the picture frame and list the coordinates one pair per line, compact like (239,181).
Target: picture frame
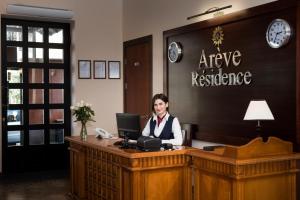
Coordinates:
(99,69)
(84,69)
(114,69)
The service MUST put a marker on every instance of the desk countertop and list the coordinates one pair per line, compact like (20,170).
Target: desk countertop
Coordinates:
(108,146)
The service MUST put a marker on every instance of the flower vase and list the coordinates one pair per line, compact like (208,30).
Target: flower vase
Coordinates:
(83,131)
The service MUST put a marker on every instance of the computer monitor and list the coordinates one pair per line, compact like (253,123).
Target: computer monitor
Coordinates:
(128,125)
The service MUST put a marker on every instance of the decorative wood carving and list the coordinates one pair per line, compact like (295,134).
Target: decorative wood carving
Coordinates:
(113,173)
(102,171)
(256,170)
(258,148)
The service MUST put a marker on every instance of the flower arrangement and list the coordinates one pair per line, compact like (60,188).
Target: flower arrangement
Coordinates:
(83,113)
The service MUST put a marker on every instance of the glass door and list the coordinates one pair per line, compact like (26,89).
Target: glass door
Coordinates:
(35,94)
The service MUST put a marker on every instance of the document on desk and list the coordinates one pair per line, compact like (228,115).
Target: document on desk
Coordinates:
(178,147)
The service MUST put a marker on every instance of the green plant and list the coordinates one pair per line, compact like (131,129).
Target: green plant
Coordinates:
(83,112)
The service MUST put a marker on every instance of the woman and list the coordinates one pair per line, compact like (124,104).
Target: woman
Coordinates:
(163,125)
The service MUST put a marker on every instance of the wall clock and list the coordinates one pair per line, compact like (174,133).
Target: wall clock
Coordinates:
(174,52)
(278,33)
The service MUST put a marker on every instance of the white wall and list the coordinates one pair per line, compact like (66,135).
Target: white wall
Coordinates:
(96,34)
(144,17)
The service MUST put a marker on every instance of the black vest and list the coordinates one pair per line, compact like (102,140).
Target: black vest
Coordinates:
(166,133)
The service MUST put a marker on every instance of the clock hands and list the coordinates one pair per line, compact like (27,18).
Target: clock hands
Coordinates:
(173,54)
(276,35)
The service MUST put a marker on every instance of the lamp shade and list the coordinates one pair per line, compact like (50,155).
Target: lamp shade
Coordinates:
(258,110)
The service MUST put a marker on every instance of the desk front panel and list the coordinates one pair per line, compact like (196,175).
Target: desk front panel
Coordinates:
(217,177)
(128,174)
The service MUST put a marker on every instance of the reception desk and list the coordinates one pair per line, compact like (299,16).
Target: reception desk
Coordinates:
(258,170)
(255,171)
(100,170)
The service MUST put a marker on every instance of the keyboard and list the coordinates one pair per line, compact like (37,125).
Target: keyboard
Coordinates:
(129,145)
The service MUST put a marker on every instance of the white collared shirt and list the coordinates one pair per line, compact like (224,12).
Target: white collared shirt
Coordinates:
(176,129)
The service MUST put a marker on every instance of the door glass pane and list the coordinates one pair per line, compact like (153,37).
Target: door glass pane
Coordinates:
(14,33)
(36,137)
(14,54)
(14,117)
(36,116)
(56,76)
(56,96)
(56,56)
(35,55)
(15,138)
(36,96)
(35,34)
(56,136)
(35,75)
(56,116)
(15,96)
(14,75)
(56,35)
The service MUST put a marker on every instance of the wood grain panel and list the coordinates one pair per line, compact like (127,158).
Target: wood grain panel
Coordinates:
(258,176)
(98,173)
(168,181)
(100,170)
(255,188)
(219,111)
(210,184)
(138,77)
(298,79)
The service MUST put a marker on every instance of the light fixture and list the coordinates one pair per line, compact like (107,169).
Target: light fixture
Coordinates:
(258,110)
(39,11)
(211,10)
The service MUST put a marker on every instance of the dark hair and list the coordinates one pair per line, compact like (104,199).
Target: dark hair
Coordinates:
(162,97)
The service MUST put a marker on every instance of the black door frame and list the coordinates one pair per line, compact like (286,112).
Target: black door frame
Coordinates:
(40,157)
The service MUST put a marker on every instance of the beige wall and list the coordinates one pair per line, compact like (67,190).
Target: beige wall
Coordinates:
(96,34)
(144,17)
(97,30)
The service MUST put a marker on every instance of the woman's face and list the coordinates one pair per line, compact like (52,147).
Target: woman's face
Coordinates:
(160,107)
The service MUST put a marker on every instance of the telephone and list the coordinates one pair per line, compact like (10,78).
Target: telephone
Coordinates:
(101,133)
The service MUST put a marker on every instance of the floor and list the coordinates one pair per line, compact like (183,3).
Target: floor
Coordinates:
(49,185)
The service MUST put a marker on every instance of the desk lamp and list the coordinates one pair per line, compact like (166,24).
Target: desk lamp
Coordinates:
(258,110)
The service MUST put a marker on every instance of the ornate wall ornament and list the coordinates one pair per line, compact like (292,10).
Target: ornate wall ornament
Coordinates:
(218,37)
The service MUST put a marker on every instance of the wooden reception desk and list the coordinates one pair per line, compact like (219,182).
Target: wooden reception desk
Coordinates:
(100,170)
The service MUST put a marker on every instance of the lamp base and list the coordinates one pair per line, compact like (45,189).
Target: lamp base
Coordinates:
(260,133)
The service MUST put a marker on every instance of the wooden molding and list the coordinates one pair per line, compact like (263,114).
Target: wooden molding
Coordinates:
(258,148)
(102,171)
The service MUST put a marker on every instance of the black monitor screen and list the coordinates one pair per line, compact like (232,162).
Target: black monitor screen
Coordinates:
(129,125)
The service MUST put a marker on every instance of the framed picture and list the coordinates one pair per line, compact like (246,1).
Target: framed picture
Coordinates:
(99,69)
(114,69)
(84,69)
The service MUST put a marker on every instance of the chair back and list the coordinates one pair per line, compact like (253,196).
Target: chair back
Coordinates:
(188,133)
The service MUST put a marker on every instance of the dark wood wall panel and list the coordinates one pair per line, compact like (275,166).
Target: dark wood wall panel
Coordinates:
(219,111)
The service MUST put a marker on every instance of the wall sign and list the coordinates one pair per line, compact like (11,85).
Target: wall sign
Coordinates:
(210,68)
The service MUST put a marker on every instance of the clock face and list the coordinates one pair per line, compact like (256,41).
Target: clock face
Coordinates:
(278,33)
(174,52)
